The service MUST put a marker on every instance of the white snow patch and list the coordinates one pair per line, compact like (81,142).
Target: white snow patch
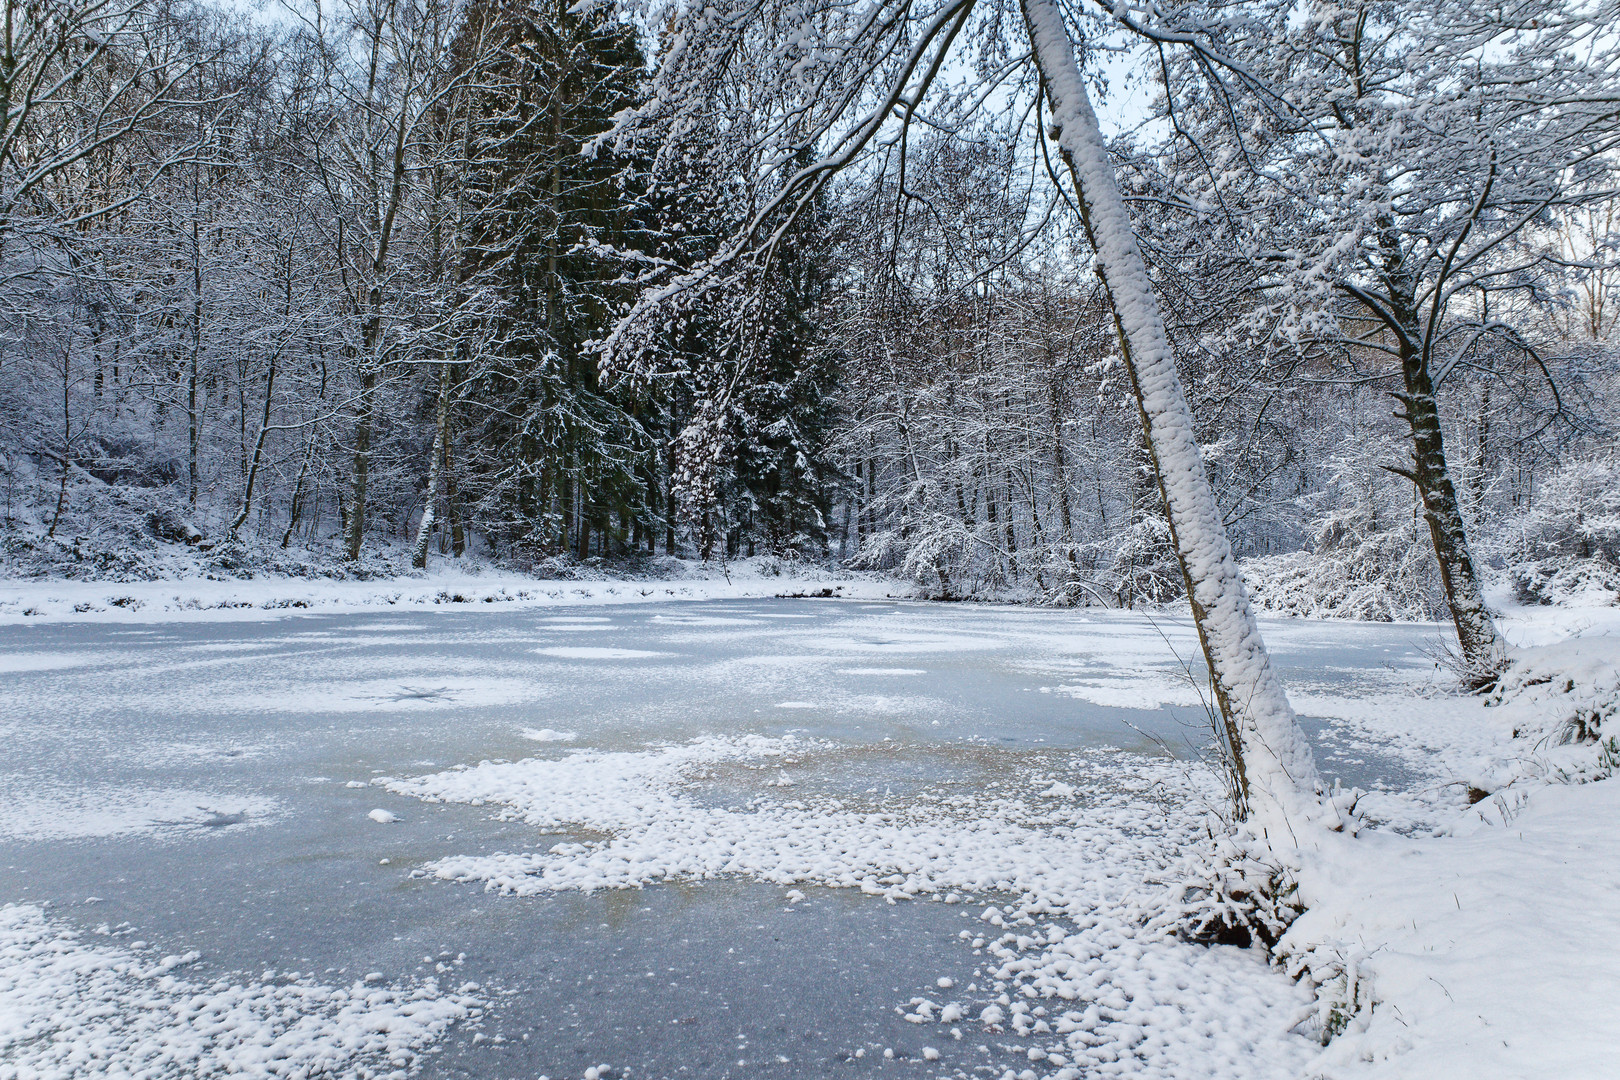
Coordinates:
(446,588)
(1491,954)
(18,662)
(231,646)
(548,735)
(882,671)
(1072,937)
(1150,690)
(1461,940)
(71,1008)
(383,817)
(586,652)
(905,643)
(60,812)
(340,695)
(702,620)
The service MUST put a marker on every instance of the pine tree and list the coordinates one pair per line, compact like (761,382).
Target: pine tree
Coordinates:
(557,464)
(782,480)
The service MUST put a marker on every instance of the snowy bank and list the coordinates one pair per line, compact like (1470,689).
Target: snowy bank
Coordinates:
(1492,952)
(451,587)
(1476,934)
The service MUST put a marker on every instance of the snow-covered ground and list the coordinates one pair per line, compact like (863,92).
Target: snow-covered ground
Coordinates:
(446,583)
(755,837)
(1483,939)
(102,1004)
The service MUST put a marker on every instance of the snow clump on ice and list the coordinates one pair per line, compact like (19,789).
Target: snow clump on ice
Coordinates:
(69,1007)
(548,735)
(1066,959)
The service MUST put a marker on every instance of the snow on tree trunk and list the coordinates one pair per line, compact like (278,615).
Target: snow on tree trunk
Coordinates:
(441,416)
(1277,779)
(1484,654)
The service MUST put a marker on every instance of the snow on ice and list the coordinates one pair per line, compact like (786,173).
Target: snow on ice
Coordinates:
(444,588)
(1436,921)
(1468,930)
(71,1006)
(1092,986)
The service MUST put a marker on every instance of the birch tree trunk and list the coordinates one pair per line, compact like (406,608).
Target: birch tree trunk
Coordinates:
(1275,773)
(441,418)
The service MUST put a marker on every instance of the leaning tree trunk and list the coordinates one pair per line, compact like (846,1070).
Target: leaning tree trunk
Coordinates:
(441,417)
(1483,652)
(1274,772)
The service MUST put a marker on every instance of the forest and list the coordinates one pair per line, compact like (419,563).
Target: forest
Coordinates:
(398,385)
(337,287)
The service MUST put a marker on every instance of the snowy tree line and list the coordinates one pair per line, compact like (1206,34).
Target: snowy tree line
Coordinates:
(563,281)
(1280,263)
(334,278)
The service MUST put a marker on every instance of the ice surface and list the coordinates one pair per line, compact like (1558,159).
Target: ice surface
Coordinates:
(975,790)
(585,652)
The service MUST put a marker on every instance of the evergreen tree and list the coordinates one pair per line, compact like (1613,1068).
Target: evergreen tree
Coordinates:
(782,482)
(555,454)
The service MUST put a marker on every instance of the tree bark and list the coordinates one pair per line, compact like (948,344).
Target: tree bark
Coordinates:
(441,418)
(1060,479)
(193,421)
(258,450)
(298,489)
(355,521)
(1275,778)
(1484,654)
(458,528)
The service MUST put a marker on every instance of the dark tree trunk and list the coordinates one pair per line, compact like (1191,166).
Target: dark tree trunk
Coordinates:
(1483,652)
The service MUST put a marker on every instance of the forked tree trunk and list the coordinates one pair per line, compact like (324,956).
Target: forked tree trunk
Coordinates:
(1276,775)
(258,451)
(297,506)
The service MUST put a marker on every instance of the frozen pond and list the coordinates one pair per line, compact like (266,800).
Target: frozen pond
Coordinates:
(215,787)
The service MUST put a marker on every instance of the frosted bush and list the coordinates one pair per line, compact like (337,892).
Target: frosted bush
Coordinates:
(1365,563)
(1567,547)
(1575,685)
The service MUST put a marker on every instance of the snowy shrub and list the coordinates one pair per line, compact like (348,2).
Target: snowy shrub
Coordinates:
(1567,547)
(1236,894)
(1575,686)
(1566,579)
(1144,568)
(939,555)
(1238,890)
(945,557)
(1369,560)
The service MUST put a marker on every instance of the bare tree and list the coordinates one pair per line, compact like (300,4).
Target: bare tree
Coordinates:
(1388,173)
